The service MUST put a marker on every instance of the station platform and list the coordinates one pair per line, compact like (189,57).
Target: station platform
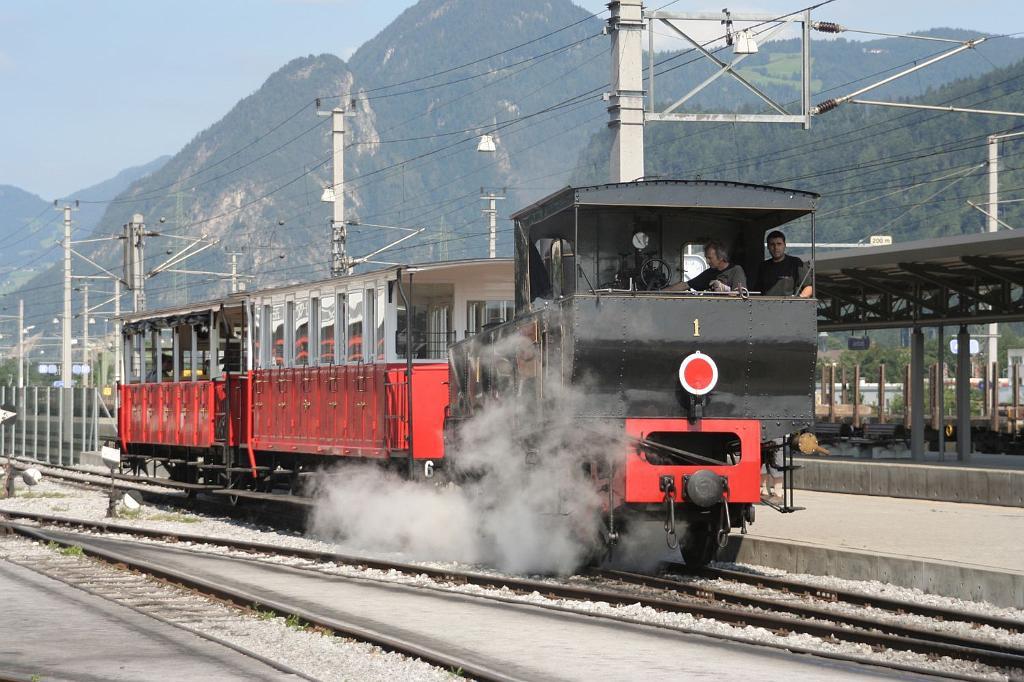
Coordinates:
(982,479)
(955,549)
(52,631)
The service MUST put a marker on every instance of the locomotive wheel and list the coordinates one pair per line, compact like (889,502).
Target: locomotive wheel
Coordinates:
(699,546)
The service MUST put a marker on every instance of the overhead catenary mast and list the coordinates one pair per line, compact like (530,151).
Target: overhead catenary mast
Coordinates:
(626,99)
(335,192)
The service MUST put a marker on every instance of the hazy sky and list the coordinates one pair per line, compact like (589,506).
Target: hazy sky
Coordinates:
(89,87)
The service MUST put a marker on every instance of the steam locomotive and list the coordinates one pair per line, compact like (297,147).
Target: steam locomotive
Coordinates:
(687,391)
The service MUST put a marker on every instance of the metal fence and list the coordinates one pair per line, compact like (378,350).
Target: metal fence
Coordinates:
(54,425)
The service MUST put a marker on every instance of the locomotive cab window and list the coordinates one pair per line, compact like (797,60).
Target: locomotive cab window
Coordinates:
(692,261)
(562,268)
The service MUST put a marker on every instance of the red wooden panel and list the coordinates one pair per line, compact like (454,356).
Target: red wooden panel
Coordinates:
(168,413)
(430,396)
(336,410)
(237,400)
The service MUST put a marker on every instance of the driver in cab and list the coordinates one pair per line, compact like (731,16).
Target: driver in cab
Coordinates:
(721,275)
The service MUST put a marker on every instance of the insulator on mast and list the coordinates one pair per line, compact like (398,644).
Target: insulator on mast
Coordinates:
(827,27)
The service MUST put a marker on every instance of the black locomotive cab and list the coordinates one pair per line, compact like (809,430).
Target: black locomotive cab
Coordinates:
(601,271)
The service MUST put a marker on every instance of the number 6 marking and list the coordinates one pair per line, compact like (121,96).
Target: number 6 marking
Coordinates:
(696,327)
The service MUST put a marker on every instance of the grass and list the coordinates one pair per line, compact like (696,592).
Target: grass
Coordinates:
(264,615)
(294,622)
(71,550)
(27,495)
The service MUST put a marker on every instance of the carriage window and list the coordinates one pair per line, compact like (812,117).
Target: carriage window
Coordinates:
(301,332)
(327,330)
(166,372)
(355,326)
(381,310)
(370,326)
(482,313)
(151,360)
(314,331)
(432,330)
(256,338)
(277,334)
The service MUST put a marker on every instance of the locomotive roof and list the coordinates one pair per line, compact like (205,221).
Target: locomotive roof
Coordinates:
(766,206)
(236,299)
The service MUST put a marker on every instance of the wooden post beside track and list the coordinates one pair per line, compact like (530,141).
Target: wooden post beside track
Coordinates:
(908,394)
(856,396)
(881,393)
(993,391)
(832,393)
(1015,393)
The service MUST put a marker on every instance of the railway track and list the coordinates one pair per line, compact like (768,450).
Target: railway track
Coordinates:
(831,595)
(660,594)
(899,608)
(281,511)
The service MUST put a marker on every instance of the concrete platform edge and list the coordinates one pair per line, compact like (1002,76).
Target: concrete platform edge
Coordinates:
(946,579)
(1002,487)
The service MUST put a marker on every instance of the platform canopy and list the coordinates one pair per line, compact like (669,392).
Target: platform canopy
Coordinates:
(966,279)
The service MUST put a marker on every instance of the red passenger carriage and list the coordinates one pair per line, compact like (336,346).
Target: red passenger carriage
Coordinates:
(249,392)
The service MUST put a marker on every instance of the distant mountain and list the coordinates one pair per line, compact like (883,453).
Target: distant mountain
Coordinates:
(254,179)
(29,225)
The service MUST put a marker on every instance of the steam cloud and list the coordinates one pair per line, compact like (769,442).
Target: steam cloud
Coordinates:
(526,505)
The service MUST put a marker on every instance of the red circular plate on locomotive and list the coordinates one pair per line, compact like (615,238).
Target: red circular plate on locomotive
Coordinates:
(698,373)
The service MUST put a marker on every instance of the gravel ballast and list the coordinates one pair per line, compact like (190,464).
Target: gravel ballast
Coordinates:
(58,499)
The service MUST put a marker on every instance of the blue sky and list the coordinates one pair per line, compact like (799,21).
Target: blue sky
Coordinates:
(89,87)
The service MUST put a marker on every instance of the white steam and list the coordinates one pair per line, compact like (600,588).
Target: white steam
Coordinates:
(525,500)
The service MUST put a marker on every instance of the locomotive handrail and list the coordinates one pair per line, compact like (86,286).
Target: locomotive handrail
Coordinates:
(677,451)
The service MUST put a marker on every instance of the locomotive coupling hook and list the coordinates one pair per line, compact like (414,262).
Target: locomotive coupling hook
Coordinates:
(667,485)
(723,531)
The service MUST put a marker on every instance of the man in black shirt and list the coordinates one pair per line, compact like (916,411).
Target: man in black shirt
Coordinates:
(782,275)
(720,276)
